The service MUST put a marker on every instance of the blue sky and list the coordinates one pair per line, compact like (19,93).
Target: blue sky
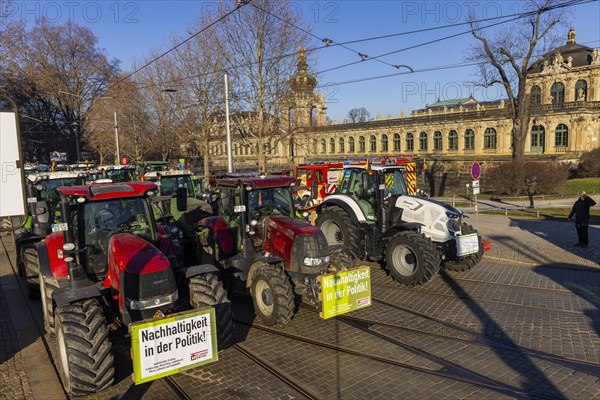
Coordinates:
(128,30)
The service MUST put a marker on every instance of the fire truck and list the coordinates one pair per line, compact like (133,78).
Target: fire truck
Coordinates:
(325,176)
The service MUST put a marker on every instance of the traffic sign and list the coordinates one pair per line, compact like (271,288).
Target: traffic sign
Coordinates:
(475,171)
(475,184)
(476,190)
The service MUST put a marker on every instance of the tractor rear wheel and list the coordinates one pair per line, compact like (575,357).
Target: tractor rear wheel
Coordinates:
(207,290)
(273,295)
(85,361)
(31,272)
(411,258)
(338,228)
(47,287)
(470,261)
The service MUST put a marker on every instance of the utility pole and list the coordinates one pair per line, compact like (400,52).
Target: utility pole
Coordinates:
(229,155)
(117,140)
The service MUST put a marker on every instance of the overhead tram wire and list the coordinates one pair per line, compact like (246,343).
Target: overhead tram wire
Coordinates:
(240,4)
(327,41)
(334,44)
(245,94)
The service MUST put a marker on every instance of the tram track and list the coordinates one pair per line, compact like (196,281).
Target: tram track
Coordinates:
(448,370)
(477,299)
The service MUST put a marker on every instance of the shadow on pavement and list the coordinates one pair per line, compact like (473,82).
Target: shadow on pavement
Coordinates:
(560,233)
(581,283)
(534,379)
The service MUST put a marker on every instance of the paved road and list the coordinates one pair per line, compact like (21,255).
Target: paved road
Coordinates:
(524,323)
(517,204)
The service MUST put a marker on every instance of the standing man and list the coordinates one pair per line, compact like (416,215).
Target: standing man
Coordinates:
(531,184)
(581,211)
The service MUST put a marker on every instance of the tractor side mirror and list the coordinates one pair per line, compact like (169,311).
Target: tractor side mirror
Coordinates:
(366,181)
(181,199)
(314,189)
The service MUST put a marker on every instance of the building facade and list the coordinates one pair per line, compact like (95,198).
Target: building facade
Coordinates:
(564,93)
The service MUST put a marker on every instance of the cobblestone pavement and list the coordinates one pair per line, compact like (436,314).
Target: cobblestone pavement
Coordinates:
(524,323)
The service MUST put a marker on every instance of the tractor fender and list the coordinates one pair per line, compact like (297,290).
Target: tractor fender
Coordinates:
(196,270)
(260,261)
(347,204)
(402,227)
(70,295)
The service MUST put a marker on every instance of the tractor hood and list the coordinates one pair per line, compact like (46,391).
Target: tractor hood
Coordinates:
(292,227)
(439,221)
(302,246)
(127,252)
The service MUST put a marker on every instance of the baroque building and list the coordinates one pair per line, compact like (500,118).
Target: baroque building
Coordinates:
(564,91)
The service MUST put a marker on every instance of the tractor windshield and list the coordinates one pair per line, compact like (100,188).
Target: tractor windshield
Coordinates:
(169,185)
(272,201)
(99,220)
(121,175)
(395,182)
(47,189)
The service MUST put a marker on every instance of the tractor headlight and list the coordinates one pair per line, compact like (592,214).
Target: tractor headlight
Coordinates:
(175,231)
(451,214)
(317,261)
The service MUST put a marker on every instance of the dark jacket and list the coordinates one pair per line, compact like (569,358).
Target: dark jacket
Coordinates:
(581,209)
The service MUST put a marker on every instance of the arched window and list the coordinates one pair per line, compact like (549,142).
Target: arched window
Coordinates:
(351,145)
(314,146)
(313,116)
(361,144)
(538,139)
(342,145)
(453,140)
(489,138)
(557,91)
(423,141)
(410,142)
(536,96)
(396,142)
(437,141)
(331,145)
(323,146)
(581,90)
(384,143)
(561,136)
(469,139)
(373,144)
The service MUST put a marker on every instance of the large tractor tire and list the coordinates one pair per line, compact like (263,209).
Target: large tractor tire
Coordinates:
(207,290)
(470,261)
(47,287)
(412,258)
(31,271)
(85,361)
(273,295)
(338,228)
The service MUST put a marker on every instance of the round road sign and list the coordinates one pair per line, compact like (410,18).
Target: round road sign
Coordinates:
(475,171)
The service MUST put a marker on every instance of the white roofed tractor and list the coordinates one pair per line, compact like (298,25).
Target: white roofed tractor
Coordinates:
(372,213)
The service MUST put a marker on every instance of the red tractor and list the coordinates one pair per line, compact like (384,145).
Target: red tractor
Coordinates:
(262,247)
(111,265)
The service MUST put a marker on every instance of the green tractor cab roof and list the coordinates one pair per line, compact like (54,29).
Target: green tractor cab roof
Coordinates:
(110,191)
(259,182)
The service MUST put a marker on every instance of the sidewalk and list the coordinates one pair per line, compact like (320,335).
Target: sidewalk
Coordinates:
(25,368)
(536,241)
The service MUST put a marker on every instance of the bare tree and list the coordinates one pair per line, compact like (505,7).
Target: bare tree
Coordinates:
(255,41)
(54,72)
(509,52)
(358,114)
(199,65)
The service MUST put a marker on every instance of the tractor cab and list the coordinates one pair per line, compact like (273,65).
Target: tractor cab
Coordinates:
(43,199)
(117,173)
